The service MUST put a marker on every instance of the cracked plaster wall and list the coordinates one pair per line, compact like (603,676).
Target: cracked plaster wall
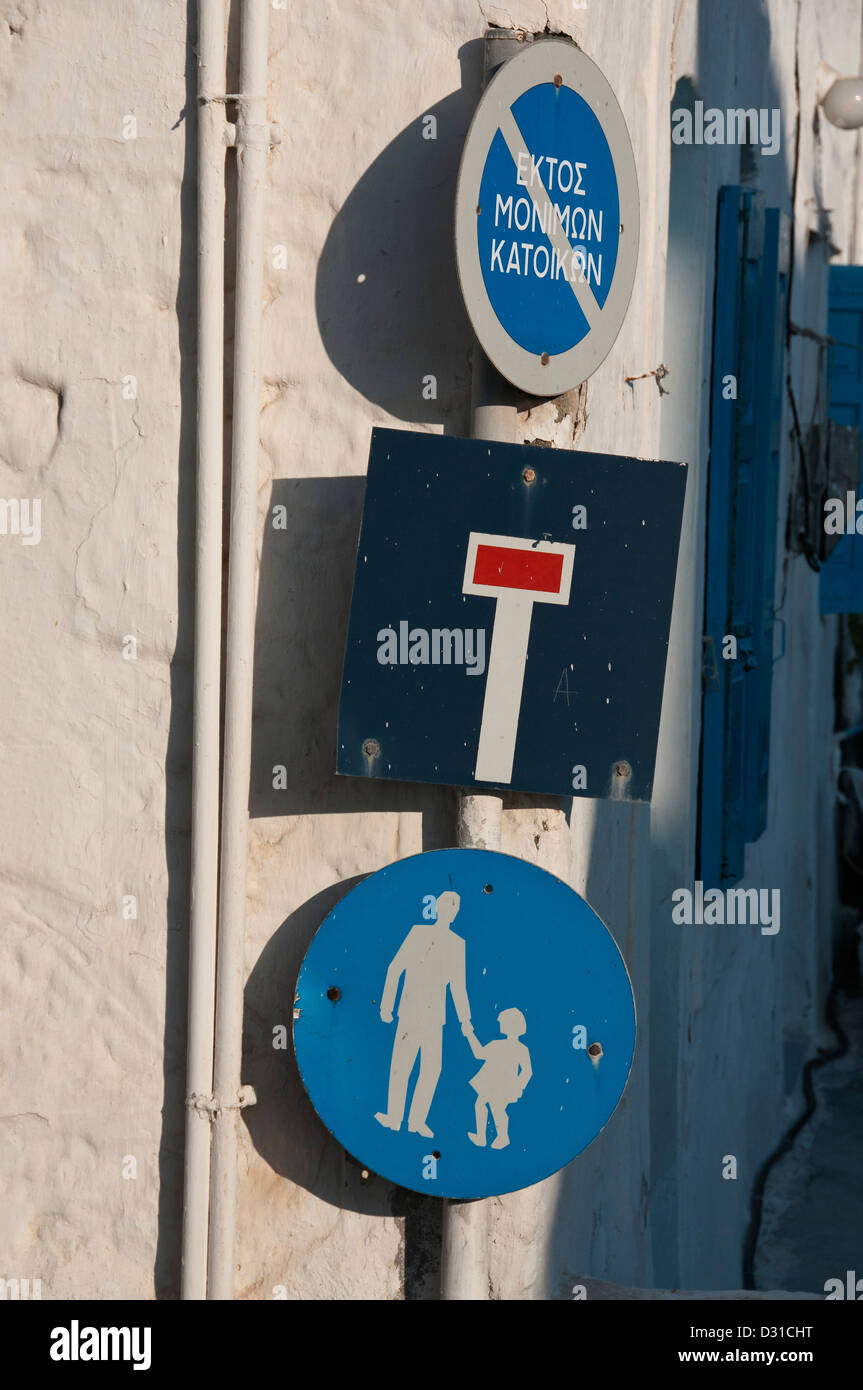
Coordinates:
(359,306)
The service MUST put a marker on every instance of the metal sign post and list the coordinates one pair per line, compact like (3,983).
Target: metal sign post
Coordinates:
(464,1245)
(464,1256)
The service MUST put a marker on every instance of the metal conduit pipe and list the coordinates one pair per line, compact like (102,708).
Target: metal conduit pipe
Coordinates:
(253,138)
(208,636)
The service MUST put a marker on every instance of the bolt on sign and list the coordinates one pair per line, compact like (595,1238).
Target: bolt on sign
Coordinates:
(510,616)
(506,989)
(547,218)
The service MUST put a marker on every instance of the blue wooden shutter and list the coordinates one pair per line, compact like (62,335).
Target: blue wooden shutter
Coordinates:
(728,310)
(769,389)
(751,281)
(845,326)
(841,579)
(742,483)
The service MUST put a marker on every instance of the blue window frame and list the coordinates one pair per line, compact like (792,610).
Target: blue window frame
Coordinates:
(743,488)
(841,580)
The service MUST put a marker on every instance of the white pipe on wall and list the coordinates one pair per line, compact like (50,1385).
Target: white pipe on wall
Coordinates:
(208,637)
(252,141)
(494,415)
(464,1248)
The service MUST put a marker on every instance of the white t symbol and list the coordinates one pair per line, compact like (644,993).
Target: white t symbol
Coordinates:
(518,573)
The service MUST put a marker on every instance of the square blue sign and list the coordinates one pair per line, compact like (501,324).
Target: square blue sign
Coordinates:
(510,616)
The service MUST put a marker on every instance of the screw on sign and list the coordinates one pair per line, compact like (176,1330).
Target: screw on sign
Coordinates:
(547,218)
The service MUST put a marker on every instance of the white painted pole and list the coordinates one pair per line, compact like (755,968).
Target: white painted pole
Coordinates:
(464,1249)
(464,1252)
(252,141)
(208,638)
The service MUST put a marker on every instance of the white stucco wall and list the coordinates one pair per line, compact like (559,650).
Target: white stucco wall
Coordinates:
(94,803)
(98,284)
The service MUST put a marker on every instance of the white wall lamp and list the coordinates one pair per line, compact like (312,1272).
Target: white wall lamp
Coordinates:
(840,98)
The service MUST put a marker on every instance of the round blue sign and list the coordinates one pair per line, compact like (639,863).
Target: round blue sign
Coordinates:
(557,187)
(547,218)
(464,1023)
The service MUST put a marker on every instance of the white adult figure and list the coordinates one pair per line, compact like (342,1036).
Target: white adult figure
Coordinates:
(431,958)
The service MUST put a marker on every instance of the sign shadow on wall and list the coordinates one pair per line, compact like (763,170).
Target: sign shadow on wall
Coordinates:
(389,309)
(283,1125)
(306,575)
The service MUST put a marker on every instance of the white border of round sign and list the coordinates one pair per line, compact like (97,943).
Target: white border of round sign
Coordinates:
(541,62)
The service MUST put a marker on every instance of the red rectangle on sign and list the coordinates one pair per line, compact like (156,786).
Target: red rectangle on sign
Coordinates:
(518,569)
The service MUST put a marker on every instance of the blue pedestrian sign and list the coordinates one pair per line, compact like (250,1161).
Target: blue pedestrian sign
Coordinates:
(463,1023)
(547,218)
(510,617)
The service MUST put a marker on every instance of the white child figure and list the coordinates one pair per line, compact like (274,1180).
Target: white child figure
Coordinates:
(501,1079)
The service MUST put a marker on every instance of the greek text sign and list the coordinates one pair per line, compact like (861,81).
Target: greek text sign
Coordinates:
(463,1023)
(510,617)
(547,219)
